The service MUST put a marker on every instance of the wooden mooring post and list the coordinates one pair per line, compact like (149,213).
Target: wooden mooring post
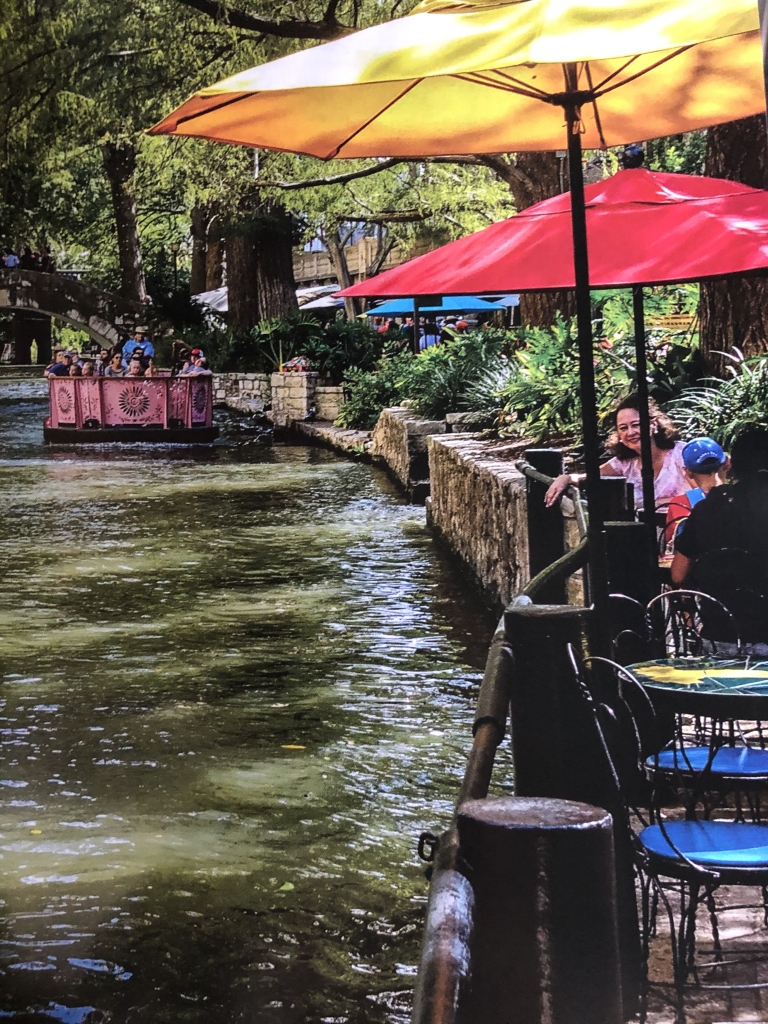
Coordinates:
(543,945)
(553,744)
(546,541)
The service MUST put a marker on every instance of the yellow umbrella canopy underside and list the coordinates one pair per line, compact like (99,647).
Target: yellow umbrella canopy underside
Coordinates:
(484,77)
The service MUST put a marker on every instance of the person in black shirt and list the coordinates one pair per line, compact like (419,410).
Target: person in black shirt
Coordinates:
(734,516)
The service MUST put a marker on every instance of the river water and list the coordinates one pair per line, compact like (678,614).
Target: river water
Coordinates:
(237,682)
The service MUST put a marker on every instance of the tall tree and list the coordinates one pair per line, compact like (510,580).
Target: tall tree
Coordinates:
(120,167)
(734,312)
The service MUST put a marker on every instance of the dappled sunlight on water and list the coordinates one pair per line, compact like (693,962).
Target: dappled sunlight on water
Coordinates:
(237,684)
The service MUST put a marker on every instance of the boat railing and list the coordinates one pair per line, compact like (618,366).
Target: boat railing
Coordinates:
(159,402)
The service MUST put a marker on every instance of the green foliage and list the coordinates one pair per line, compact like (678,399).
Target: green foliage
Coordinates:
(367,392)
(683,154)
(439,377)
(540,399)
(342,345)
(723,408)
(434,382)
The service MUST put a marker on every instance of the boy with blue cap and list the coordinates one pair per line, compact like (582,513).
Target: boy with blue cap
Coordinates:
(705,465)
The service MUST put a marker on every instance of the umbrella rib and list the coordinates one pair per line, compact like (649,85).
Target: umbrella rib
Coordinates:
(618,71)
(412,85)
(210,110)
(598,122)
(639,74)
(476,78)
(510,78)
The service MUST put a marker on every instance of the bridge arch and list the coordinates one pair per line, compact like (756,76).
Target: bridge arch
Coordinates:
(106,317)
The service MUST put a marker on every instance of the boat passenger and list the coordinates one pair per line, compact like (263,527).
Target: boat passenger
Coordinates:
(115,368)
(139,340)
(624,447)
(197,366)
(75,370)
(102,362)
(135,368)
(87,370)
(59,367)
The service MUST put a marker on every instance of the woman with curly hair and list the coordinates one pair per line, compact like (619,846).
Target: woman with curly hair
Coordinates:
(669,478)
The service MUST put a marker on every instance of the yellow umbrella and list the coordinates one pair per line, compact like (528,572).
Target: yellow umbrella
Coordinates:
(482,76)
(485,77)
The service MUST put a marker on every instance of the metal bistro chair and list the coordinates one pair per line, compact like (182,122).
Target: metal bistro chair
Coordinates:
(696,856)
(721,756)
(630,638)
(692,624)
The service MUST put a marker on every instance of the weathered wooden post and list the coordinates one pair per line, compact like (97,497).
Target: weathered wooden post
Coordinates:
(546,541)
(617,498)
(553,742)
(630,570)
(544,939)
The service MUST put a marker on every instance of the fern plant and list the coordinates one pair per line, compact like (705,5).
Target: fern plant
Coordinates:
(723,408)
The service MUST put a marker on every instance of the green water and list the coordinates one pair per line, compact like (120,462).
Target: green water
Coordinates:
(237,683)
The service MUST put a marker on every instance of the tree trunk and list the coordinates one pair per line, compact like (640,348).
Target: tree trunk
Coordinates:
(119,160)
(198,232)
(341,268)
(543,171)
(242,283)
(274,265)
(214,254)
(734,311)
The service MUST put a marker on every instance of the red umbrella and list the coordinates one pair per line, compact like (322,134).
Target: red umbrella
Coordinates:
(643,227)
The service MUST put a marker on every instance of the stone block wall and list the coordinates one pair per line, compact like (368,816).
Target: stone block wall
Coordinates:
(246,392)
(478,506)
(400,439)
(329,399)
(293,396)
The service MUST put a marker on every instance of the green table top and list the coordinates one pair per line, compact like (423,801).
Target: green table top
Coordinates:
(737,688)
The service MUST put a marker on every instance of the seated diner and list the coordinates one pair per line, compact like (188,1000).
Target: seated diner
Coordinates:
(733,516)
(706,465)
(669,478)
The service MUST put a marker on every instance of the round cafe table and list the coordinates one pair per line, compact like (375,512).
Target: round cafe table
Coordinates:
(705,686)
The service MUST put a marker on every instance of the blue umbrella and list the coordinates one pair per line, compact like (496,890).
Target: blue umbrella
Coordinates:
(450,304)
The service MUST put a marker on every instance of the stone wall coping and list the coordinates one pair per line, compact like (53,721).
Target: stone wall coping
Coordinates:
(482,454)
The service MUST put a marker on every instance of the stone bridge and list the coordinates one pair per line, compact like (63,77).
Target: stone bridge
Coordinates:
(107,318)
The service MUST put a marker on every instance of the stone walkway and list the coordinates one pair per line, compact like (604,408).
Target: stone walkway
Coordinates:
(351,442)
(744,938)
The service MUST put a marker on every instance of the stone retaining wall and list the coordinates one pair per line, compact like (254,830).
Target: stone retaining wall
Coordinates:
(329,399)
(293,395)
(400,439)
(246,392)
(478,507)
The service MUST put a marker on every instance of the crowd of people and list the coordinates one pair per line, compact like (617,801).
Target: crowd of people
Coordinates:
(30,259)
(133,358)
(432,330)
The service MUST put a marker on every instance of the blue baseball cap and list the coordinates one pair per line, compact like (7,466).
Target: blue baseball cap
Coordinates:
(703,455)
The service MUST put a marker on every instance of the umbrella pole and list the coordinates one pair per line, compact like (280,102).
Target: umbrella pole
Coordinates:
(416,339)
(598,569)
(646,456)
(762,8)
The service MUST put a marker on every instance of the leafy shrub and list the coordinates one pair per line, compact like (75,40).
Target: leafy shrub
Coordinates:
(439,378)
(342,345)
(723,408)
(367,392)
(434,382)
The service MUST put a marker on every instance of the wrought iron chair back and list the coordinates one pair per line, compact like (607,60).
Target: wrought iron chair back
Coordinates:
(691,623)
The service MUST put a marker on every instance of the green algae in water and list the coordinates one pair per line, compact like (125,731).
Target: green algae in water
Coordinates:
(236,686)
